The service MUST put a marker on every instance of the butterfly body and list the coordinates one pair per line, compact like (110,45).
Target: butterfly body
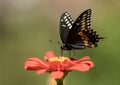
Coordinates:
(73,46)
(77,34)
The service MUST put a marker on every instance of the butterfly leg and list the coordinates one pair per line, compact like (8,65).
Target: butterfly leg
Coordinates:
(69,54)
(74,52)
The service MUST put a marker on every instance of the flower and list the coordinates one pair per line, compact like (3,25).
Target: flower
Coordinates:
(57,66)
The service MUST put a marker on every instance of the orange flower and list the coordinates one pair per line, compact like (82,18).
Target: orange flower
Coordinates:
(57,66)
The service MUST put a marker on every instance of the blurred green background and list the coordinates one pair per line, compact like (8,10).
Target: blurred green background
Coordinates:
(26,26)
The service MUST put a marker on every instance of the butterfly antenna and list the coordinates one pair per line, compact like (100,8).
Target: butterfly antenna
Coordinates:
(54,42)
(50,41)
(59,43)
(102,37)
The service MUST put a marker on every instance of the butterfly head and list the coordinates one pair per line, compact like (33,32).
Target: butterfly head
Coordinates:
(65,47)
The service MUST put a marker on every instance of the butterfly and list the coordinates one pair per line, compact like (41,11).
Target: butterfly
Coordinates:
(77,34)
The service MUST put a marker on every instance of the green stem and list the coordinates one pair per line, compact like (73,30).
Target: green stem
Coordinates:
(59,82)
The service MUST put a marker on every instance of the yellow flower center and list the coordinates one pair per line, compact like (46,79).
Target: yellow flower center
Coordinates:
(58,59)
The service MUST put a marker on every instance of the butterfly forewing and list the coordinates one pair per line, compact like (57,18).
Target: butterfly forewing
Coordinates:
(66,23)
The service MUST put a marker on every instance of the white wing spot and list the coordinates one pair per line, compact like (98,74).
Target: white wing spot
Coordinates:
(66,20)
(84,15)
(88,20)
(66,13)
(88,27)
(72,22)
(89,13)
(65,17)
(88,23)
(77,23)
(70,27)
(61,20)
(64,25)
(69,17)
(69,24)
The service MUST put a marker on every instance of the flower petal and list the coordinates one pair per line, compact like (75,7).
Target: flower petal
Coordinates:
(34,64)
(80,67)
(41,71)
(57,74)
(48,55)
(74,61)
(84,58)
(90,63)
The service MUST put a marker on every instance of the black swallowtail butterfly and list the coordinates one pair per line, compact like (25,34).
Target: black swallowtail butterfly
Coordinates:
(77,34)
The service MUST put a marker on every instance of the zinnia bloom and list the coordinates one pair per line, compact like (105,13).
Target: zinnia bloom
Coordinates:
(57,66)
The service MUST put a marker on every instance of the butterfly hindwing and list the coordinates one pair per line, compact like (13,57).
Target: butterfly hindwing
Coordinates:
(66,23)
(88,35)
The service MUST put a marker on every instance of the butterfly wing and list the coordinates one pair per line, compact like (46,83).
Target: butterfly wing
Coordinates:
(66,23)
(81,33)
